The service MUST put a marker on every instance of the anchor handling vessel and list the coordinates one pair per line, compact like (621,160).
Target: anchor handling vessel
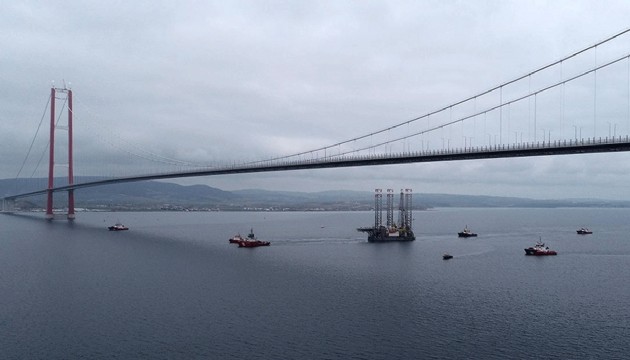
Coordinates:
(391,231)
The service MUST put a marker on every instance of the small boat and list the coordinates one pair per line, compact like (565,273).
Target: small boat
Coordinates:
(447,256)
(466,233)
(117,227)
(250,241)
(584,231)
(539,250)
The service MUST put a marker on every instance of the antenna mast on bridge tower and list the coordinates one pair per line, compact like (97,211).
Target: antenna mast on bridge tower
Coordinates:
(51,161)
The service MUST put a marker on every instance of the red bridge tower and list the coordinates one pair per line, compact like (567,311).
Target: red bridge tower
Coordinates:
(51,161)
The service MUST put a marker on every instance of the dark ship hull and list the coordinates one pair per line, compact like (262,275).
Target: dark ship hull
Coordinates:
(383,235)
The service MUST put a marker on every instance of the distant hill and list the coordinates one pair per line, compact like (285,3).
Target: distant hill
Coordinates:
(145,194)
(156,195)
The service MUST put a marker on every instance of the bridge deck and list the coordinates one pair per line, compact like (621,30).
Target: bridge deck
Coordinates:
(503,151)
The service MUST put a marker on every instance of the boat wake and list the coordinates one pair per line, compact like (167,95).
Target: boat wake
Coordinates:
(317,241)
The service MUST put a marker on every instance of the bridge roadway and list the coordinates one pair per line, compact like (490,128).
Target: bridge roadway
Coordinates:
(568,147)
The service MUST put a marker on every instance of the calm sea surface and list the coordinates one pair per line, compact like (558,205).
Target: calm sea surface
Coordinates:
(173,287)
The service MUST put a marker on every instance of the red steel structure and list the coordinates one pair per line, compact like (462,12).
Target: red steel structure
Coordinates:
(51,157)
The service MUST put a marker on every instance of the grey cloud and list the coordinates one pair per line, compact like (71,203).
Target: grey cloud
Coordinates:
(212,81)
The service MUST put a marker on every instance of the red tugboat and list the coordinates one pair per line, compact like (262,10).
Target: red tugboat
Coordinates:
(584,231)
(539,250)
(250,241)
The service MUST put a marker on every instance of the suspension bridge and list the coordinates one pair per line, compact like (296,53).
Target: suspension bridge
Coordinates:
(583,99)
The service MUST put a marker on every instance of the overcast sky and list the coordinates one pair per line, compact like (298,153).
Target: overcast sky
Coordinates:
(212,81)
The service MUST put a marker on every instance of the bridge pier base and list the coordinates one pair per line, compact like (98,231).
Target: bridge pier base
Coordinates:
(8,205)
(71,205)
(49,205)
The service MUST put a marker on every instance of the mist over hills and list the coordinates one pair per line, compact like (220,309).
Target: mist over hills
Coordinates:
(156,195)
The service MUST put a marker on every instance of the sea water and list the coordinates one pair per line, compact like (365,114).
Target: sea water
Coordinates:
(173,287)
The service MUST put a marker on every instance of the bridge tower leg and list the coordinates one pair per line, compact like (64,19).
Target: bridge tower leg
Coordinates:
(51,157)
(70,170)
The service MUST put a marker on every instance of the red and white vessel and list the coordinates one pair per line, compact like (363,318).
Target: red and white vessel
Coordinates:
(250,241)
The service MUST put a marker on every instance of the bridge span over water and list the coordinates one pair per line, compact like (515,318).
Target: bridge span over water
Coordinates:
(558,96)
(582,146)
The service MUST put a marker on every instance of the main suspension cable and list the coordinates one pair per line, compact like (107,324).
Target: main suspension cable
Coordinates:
(33,140)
